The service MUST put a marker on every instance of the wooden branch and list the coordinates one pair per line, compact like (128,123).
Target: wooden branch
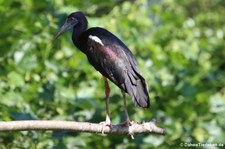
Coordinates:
(44,125)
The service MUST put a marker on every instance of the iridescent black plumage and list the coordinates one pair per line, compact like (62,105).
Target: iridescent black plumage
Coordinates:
(110,56)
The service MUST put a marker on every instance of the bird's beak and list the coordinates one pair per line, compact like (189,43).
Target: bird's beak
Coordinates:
(66,26)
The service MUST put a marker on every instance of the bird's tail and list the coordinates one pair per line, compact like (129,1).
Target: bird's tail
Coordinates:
(137,88)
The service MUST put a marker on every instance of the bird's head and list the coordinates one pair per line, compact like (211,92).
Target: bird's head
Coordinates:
(74,19)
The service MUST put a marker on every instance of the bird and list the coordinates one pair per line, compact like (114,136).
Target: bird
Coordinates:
(112,58)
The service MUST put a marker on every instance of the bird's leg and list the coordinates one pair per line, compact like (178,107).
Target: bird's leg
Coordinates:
(127,121)
(107,92)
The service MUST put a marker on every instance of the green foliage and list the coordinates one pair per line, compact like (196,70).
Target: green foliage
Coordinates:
(179,46)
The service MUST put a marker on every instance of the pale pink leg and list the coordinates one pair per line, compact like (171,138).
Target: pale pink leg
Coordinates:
(107,92)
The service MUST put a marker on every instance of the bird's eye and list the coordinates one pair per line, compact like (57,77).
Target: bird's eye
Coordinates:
(71,19)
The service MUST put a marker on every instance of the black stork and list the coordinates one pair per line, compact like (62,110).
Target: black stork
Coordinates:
(112,58)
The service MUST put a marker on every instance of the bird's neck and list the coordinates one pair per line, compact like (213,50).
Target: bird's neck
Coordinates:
(77,32)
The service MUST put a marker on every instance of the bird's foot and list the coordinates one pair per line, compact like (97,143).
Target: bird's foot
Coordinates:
(105,124)
(128,123)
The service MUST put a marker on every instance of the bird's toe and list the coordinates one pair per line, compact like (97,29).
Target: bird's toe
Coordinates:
(105,124)
(128,123)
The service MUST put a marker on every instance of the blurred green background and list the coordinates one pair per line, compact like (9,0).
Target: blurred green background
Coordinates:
(180,49)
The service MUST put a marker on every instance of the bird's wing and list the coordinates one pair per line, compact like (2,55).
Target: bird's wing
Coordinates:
(105,60)
(115,61)
(135,84)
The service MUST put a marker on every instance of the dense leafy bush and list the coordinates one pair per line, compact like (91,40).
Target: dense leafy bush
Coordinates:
(180,49)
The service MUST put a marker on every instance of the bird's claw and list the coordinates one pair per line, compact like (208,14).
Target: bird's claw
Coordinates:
(128,123)
(105,124)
